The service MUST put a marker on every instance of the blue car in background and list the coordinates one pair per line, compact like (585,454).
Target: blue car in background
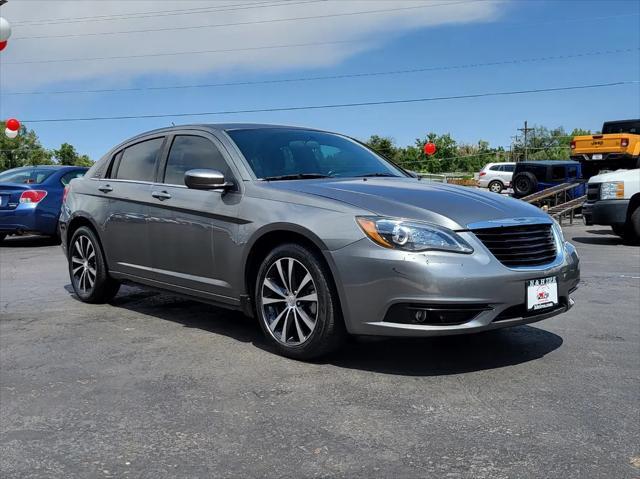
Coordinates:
(533,176)
(31,198)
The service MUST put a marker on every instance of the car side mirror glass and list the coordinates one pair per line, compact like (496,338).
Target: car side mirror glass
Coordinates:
(204,179)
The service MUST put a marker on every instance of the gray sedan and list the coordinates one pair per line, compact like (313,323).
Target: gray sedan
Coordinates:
(313,234)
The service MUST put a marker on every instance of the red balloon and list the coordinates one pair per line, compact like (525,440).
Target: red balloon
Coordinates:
(3,45)
(429,149)
(13,124)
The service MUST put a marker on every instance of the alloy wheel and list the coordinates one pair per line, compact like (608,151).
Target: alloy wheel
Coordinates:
(83,261)
(289,302)
(495,187)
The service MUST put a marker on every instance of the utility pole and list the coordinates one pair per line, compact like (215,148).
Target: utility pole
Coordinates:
(525,131)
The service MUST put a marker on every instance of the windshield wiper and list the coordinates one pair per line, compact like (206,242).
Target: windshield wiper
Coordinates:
(377,174)
(296,176)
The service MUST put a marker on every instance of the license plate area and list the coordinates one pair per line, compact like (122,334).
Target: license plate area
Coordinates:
(596,156)
(542,293)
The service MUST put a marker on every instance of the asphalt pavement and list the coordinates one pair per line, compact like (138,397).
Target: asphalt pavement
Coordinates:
(156,386)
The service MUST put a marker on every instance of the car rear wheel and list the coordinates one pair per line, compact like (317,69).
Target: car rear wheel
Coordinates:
(524,184)
(496,186)
(296,305)
(87,268)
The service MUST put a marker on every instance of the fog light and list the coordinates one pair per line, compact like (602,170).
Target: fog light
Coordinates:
(421,316)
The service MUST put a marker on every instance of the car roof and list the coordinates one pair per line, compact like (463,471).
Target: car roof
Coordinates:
(218,127)
(549,162)
(51,167)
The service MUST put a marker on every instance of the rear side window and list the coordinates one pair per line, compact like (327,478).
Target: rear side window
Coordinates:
(138,161)
(539,171)
(557,172)
(66,179)
(190,153)
(496,168)
(508,168)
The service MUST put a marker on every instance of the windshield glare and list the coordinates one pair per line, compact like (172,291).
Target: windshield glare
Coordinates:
(276,152)
(29,176)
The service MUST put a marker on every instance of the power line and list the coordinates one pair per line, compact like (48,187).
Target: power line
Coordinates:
(163,13)
(198,52)
(550,22)
(253,22)
(331,77)
(335,105)
(148,55)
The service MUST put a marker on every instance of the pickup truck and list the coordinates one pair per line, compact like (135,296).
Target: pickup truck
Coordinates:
(617,147)
(613,199)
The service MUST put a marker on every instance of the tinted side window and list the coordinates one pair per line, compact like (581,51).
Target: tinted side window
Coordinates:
(539,171)
(557,172)
(496,168)
(508,168)
(192,152)
(572,172)
(138,161)
(70,176)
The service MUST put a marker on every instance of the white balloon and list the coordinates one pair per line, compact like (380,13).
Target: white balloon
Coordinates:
(5,30)
(10,133)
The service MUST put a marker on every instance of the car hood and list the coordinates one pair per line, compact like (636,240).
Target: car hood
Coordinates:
(452,206)
(618,175)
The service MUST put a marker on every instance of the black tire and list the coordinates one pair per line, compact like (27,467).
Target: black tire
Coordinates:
(524,184)
(329,332)
(84,245)
(619,230)
(495,186)
(632,228)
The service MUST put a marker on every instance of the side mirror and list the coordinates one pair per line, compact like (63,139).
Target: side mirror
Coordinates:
(206,180)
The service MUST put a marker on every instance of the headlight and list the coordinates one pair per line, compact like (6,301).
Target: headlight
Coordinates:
(559,232)
(612,190)
(411,236)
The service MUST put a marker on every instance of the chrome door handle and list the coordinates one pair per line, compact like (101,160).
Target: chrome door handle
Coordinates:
(106,189)
(161,195)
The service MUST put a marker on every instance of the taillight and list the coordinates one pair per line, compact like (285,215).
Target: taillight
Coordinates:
(624,142)
(482,173)
(32,196)
(573,144)
(65,192)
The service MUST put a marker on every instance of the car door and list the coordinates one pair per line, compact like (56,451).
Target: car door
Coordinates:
(506,173)
(191,229)
(127,187)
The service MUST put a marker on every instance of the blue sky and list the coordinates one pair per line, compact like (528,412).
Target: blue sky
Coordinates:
(502,31)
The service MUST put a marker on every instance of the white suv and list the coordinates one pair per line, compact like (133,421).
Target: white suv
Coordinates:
(496,176)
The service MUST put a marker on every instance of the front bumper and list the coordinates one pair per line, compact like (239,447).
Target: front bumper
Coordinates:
(372,279)
(605,212)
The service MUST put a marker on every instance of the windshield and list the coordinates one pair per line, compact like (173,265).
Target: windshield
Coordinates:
(281,153)
(29,176)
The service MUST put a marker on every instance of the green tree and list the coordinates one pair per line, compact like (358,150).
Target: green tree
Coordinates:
(383,145)
(23,150)
(546,144)
(67,155)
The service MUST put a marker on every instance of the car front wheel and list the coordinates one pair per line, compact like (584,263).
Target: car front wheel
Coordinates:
(296,304)
(88,270)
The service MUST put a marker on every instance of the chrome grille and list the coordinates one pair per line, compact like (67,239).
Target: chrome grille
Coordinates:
(593,191)
(518,246)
